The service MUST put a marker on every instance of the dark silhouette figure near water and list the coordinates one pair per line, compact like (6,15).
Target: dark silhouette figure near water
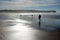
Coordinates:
(32,15)
(39,19)
(20,16)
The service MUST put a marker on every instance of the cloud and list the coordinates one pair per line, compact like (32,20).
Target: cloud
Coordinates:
(26,3)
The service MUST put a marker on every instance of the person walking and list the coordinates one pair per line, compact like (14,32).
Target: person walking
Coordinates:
(39,19)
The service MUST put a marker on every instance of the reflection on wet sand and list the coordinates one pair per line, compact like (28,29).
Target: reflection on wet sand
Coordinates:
(26,29)
(20,31)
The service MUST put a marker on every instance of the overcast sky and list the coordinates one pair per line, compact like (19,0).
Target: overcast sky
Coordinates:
(30,4)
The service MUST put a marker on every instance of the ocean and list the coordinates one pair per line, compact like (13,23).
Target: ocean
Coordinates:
(48,21)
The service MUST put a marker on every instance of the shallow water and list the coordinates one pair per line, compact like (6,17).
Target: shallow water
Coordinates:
(49,21)
(20,26)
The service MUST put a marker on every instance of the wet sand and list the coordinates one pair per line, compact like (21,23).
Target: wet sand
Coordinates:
(26,30)
(20,32)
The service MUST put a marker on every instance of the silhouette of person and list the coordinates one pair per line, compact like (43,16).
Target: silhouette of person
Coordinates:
(20,16)
(39,17)
(32,16)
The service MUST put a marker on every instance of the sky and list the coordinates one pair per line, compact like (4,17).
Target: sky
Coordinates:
(30,4)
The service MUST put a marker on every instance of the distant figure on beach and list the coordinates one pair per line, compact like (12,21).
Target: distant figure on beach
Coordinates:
(31,15)
(20,16)
(39,17)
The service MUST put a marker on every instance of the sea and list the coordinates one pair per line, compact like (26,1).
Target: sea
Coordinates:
(48,21)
